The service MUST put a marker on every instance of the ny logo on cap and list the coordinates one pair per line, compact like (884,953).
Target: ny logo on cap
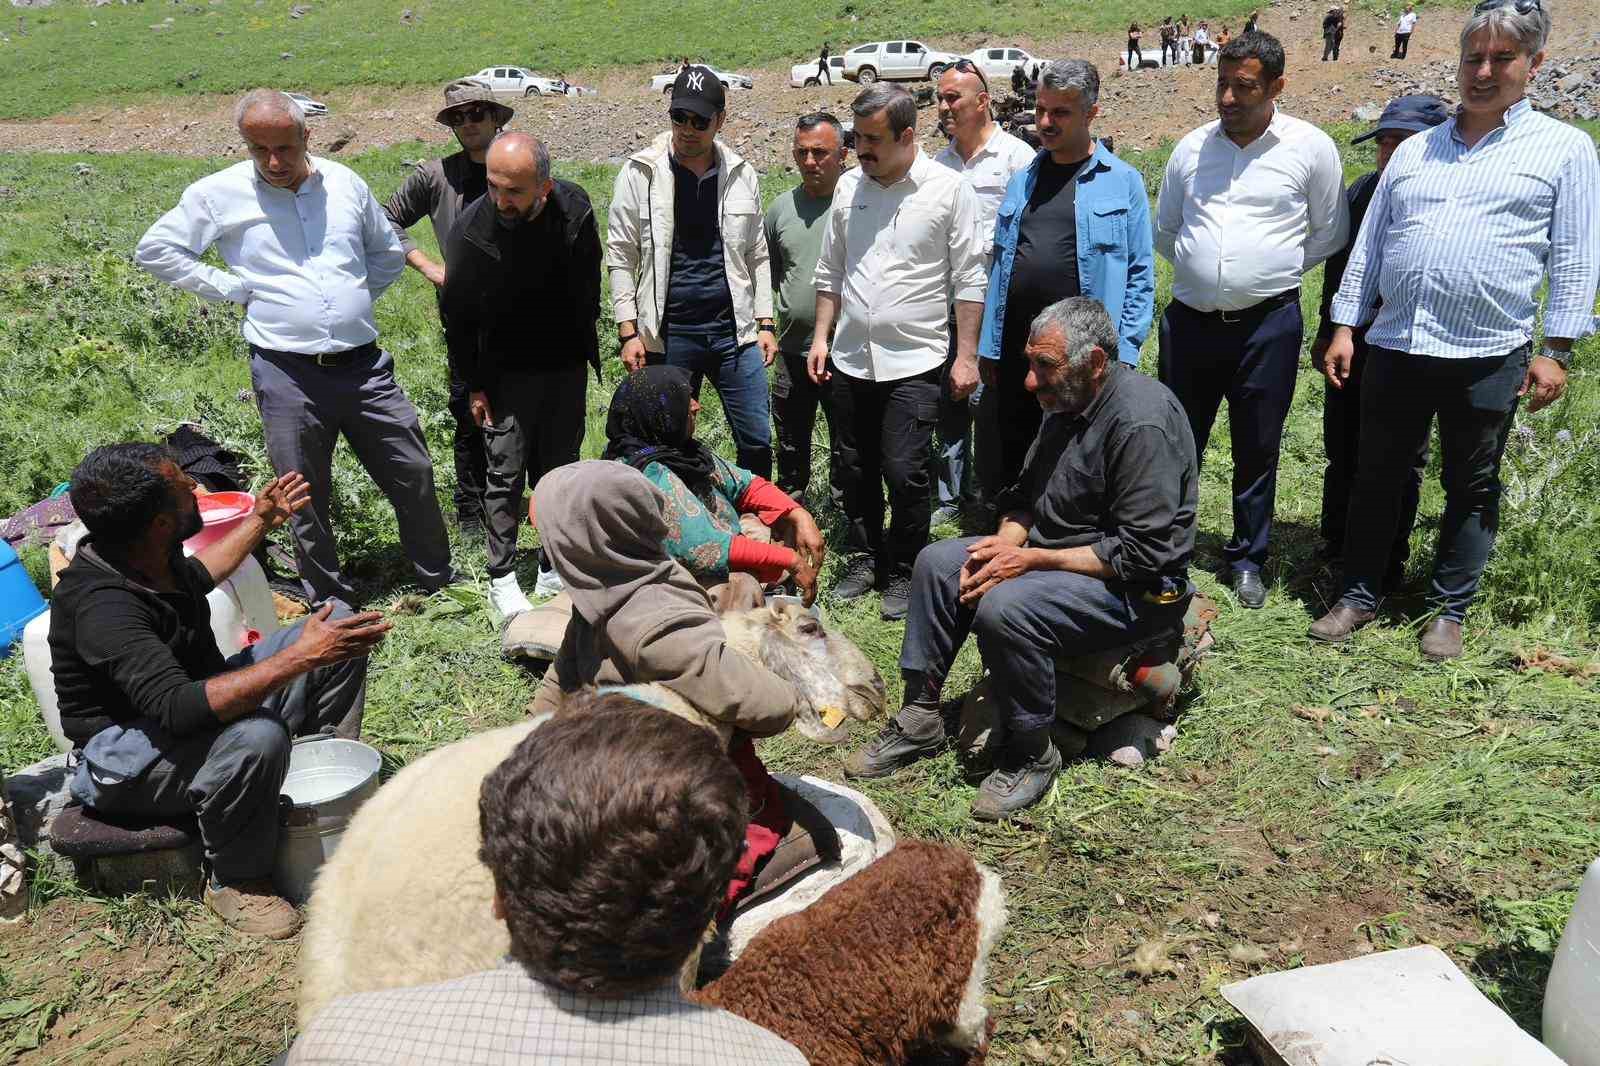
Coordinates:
(695,79)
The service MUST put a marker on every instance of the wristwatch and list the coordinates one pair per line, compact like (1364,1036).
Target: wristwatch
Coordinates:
(1560,358)
(766,327)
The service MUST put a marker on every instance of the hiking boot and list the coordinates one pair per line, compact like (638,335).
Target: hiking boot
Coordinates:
(858,579)
(892,750)
(1441,640)
(896,599)
(1016,784)
(1337,625)
(254,907)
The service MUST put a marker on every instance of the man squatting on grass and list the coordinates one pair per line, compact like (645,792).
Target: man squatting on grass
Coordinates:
(309,251)
(1092,552)
(163,726)
(1467,222)
(440,189)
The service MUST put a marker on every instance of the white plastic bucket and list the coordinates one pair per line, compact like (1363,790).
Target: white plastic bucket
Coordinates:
(1572,995)
(329,779)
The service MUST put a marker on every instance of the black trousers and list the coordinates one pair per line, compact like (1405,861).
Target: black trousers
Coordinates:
(795,401)
(1402,44)
(538,426)
(1009,420)
(1330,45)
(1341,440)
(1251,362)
(466,444)
(883,433)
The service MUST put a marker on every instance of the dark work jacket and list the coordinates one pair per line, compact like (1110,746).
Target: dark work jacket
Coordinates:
(1359,197)
(439,190)
(494,323)
(1120,478)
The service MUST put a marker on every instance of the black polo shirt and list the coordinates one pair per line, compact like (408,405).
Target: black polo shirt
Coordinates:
(698,299)
(1120,477)
(122,651)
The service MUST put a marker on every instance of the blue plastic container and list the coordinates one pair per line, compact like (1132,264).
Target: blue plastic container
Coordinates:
(20,601)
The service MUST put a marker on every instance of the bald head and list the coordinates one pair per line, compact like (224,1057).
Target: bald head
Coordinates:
(519,177)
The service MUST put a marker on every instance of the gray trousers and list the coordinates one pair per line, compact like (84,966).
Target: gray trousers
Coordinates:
(304,409)
(538,426)
(228,777)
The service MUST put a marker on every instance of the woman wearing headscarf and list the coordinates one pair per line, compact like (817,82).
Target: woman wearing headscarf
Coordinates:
(651,428)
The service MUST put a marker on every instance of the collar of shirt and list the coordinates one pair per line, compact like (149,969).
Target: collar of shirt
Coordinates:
(684,172)
(1513,114)
(1270,136)
(313,178)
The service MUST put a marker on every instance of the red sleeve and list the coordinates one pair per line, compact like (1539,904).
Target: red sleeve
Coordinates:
(766,561)
(765,500)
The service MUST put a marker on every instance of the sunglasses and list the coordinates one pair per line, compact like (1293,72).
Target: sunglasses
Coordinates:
(463,115)
(680,117)
(1522,6)
(967,66)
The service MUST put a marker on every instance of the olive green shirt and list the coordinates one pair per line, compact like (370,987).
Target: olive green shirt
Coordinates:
(795,224)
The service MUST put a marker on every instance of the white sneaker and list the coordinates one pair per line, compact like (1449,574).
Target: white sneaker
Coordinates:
(549,584)
(506,596)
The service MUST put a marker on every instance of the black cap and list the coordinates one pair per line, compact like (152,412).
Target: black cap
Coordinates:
(698,90)
(1419,111)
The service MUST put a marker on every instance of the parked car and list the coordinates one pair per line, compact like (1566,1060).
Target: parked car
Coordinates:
(662,83)
(521,81)
(998,61)
(902,60)
(311,108)
(806,73)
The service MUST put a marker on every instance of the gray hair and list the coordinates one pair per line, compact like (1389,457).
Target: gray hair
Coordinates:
(1530,30)
(1084,325)
(1072,76)
(270,100)
(533,146)
(886,95)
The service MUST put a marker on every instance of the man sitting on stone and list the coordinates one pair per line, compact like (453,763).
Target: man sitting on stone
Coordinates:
(162,725)
(611,833)
(1092,553)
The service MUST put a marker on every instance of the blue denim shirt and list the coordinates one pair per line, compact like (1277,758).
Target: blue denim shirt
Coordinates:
(1116,258)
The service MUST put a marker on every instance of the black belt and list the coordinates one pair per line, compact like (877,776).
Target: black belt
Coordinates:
(1248,314)
(344,358)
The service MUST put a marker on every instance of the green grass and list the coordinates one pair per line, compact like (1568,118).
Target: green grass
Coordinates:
(60,60)
(1454,804)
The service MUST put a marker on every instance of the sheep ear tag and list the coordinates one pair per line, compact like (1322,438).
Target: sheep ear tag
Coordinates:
(832,716)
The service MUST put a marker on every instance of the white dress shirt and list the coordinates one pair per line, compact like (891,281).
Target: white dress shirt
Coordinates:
(1242,224)
(989,171)
(896,257)
(1406,22)
(306,264)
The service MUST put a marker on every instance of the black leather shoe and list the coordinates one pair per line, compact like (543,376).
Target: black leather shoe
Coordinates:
(892,750)
(858,580)
(1248,589)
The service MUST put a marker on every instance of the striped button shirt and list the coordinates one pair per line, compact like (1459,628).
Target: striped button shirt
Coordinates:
(1458,239)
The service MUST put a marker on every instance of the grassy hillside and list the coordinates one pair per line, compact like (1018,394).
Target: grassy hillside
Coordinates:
(74,54)
(1319,802)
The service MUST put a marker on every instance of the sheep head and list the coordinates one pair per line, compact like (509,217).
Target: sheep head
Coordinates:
(836,680)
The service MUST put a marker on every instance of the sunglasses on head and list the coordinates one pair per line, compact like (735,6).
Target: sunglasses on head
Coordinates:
(463,115)
(967,66)
(680,117)
(1522,6)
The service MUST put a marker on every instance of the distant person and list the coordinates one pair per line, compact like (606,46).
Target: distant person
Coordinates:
(1048,248)
(1332,32)
(1250,23)
(1169,42)
(1402,31)
(1223,37)
(691,285)
(1135,56)
(1468,223)
(902,244)
(1341,401)
(1249,203)
(315,365)
(822,65)
(611,834)
(1185,41)
(440,189)
(165,727)
(794,224)
(521,301)
(986,157)
(1202,41)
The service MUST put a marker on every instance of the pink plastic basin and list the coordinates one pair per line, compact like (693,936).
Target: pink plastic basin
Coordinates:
(220,511)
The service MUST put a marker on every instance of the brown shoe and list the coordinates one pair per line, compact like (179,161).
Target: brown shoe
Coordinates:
(1441,640)
(254,907)
(1339,623)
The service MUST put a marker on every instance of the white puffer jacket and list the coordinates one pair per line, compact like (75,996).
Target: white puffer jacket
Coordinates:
(639,240)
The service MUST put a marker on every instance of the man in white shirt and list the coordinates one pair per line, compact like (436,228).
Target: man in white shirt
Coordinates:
(987,157)
(904,241)
(1402,32)
(1248,205)
(308,251)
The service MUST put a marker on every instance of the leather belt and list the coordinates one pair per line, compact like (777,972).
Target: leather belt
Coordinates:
(325,359)
(1252,313)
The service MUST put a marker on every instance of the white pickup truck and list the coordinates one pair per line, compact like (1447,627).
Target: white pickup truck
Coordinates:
(662,83)
(899,60)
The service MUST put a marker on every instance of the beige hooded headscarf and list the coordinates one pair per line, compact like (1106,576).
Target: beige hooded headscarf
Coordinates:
(638,615)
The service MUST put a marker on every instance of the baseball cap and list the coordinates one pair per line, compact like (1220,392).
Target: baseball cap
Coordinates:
(1418,111)
(698,90)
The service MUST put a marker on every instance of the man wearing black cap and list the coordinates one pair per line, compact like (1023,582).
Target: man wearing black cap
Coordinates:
(1341,408)
(441,189)
(687,253)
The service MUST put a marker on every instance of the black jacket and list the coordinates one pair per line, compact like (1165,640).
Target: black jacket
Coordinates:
(523,299)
